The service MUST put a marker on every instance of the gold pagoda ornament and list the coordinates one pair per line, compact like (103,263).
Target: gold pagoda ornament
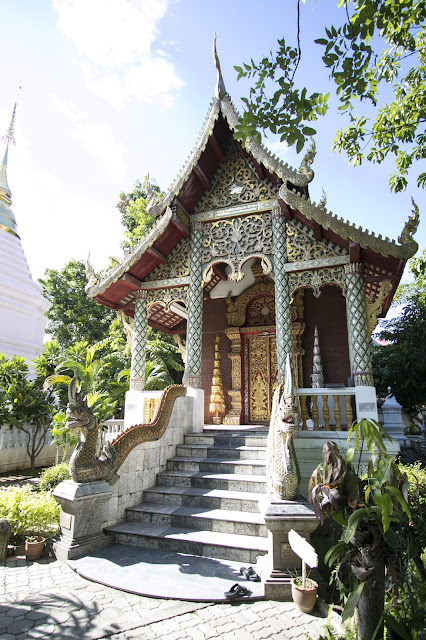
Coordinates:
(217,396)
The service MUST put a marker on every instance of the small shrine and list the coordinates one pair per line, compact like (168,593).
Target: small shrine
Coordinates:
(240,251)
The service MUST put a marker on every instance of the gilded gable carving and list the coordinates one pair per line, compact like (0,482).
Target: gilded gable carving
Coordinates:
(301,244)
(234,241)
(177,265)
(236,182)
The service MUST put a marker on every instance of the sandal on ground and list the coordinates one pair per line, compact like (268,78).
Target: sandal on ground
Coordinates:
(237,591)
(250,574)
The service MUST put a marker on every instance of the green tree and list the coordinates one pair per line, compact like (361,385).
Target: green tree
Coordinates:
(134,216)
(24,405)
(401,364)
(73,316)
(100,371)
(378,56)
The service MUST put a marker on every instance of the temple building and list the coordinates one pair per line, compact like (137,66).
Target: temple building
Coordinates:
(240,251)
(22,316)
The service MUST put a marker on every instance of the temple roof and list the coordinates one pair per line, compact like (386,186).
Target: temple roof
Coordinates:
(195,185)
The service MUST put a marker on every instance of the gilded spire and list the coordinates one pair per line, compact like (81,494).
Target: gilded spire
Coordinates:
(317,373)
(7,218)
(220,91)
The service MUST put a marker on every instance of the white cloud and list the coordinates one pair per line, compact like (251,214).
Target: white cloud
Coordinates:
(59,227)
(98,139)
(114,39)
(67,108)
(280,149)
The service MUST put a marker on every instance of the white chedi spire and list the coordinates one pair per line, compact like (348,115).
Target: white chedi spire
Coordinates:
(22,306)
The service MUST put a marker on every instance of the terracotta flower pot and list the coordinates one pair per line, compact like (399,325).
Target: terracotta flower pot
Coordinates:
(34,549)
(304,597)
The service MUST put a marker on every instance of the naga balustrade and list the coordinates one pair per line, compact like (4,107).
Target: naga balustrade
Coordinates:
(329,409)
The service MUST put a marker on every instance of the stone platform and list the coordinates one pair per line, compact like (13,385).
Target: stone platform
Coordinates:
(164,574)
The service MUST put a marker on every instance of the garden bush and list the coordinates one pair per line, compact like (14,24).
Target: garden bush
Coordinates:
(29,512)
(52,476)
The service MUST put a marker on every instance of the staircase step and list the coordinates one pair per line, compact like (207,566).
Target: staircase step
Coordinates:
(199,497)
(223,481)
(253,439)
(218,465)
(218,520)
(240,548)
(215,451)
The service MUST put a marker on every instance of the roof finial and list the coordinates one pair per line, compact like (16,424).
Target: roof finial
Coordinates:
(9,137)
(410,226)
(220,91)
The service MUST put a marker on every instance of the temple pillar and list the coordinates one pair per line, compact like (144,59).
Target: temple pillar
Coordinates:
(195,309)
(140,330)
(134,411)
(194,337)
(282,294)
(360,344)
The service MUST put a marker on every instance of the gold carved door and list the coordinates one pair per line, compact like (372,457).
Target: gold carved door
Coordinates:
(262,376)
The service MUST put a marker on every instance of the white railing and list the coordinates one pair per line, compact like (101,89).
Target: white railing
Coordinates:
(329,409)
(111,429)
(12,438)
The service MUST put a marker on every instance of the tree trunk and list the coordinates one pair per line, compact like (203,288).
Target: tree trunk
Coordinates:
(371,604)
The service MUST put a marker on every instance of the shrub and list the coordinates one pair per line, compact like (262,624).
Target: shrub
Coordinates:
(29,512)
(52,476)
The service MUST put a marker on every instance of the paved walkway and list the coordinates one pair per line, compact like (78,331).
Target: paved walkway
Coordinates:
(46,599)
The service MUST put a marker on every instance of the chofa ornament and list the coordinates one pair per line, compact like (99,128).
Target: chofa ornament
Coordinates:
(282,468)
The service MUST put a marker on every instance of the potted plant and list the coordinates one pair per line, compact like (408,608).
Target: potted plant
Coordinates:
(304,593)
(34,546)
(29,513)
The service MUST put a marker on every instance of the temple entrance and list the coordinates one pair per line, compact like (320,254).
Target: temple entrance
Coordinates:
(261,374)
(252,334)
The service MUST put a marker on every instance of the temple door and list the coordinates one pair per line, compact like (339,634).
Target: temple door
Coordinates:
(261,372)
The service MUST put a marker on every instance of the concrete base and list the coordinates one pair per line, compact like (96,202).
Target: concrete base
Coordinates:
(366,403)
(82,518)
(198,408)
(276,568)
(134,408)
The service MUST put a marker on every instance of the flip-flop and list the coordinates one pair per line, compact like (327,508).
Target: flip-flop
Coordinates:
(237,591)
(250,574)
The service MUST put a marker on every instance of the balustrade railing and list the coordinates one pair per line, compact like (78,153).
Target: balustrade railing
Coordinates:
(12,438)
(329,409)
(111,429)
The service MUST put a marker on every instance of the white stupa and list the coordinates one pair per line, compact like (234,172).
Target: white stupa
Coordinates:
(22,306)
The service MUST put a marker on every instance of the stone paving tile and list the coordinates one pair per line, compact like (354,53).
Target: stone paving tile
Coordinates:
(47,600)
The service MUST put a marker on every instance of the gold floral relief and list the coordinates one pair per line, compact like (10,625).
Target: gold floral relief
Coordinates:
(236,182)
(261,312)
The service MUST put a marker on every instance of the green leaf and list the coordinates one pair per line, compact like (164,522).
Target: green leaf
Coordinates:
(352,525)
(352,602)
(398,495)
(309,131)
(397,627)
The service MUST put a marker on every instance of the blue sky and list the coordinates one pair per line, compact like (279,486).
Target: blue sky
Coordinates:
(115,89)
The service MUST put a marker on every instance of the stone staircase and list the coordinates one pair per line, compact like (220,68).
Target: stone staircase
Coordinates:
(206,502)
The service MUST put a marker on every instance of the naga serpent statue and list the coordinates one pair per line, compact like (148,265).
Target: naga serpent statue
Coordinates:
(282,468)
(87,464)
